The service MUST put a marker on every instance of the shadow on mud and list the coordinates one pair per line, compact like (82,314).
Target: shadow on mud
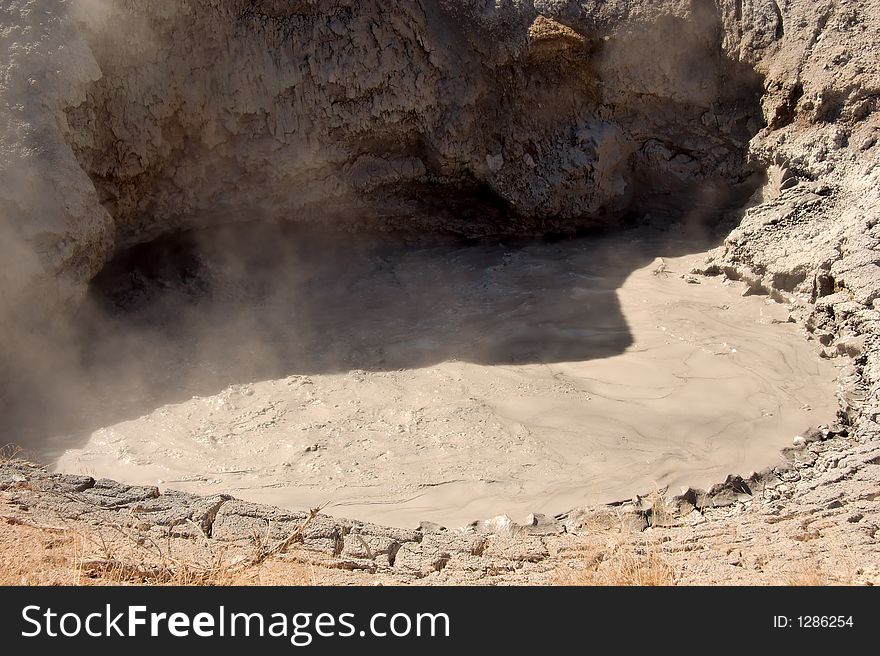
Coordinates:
(190,314)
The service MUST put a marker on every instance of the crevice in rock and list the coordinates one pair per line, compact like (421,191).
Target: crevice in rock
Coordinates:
(393,548)
(441,562)
(207,520)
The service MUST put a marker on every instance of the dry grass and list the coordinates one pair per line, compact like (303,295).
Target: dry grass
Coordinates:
(808,570)
(609,556)
(661,513)
(10,453)
(33,556)
(631,568)
(66,553)
(807,577)
(617,563)
(48,555)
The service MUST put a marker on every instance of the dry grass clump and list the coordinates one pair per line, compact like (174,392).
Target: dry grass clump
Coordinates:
(49,555)
(34,556)
(661,511)
(808,571)
(617,563)
(610,555)
(631,568)
(10,453)
(66,553)
(807,577)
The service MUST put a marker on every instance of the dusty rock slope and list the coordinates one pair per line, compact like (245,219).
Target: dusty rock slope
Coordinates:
(120,121)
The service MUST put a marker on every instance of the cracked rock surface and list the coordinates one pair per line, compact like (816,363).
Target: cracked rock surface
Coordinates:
(804,519)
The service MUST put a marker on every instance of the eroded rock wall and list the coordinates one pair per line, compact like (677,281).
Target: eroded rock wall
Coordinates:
(55,234)
(232,110)
(814,236)
(456,115)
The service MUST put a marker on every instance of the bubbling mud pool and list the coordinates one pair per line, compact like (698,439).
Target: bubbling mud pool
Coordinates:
(402,381)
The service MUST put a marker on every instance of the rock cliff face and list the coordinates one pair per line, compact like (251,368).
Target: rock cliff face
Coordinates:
(126,120)
(429,113)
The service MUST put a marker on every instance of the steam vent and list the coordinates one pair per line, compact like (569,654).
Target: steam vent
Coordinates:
(534,292)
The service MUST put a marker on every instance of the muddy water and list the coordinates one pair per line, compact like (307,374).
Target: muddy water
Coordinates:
(448,382)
